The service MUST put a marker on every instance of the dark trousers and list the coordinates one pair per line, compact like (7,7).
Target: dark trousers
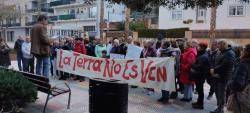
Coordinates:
(20,61)
(220,92)
(165,95)
(28,65)
(200,91)
(211,83)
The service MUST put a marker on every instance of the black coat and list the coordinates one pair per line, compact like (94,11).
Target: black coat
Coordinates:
(201,66)
(241,76)
(18,47)
(4,56)
(225,66)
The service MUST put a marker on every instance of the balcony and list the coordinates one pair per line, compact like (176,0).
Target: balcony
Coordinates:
(53,18)
(67,17)
(30,23)
(11,25)
(61,2)
(34,10)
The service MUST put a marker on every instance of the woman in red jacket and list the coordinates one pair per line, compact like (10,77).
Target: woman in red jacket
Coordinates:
(187,59)
(79,46)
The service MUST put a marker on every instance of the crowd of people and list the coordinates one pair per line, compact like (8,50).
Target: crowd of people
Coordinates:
(223,66)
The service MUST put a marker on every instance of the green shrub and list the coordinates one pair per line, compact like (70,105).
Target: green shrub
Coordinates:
(15,90)
(133,26)
(169,33)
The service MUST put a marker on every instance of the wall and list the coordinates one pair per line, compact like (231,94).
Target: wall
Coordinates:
(224,21)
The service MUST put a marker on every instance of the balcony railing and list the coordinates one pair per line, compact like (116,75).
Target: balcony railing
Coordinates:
(67,17)
(11,25)
(49,10)
(53,18)
(30,23)
(61,2)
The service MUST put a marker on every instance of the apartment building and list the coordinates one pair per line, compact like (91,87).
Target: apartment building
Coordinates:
(79,17)
(231,15)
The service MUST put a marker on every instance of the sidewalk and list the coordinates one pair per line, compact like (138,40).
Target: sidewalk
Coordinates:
(138,102)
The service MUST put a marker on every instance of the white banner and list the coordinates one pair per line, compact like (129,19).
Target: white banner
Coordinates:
(150,73)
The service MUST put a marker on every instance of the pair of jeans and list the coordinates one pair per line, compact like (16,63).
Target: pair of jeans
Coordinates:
(188,91)
(20,61)
(220,92)
(28,65)
(43,66)
(200,90)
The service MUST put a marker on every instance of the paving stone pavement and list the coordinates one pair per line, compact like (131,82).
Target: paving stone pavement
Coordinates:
(138,101)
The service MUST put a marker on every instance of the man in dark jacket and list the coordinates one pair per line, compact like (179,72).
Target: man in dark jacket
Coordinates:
(40,46)
(223,72)
(201,67)
(214,55)
(18,49)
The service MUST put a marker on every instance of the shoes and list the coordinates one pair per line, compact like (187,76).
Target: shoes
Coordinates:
(197,106)
(186,100)
(217,111)
(163,101)
(134,86)
(160,100)
(209,97)
(173,95)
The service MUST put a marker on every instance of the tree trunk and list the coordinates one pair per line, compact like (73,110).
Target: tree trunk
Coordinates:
(101,19)
(213,21)
(127,21)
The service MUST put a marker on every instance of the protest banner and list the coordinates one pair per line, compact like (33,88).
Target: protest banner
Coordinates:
(116,56)
(150,73)
(134,52)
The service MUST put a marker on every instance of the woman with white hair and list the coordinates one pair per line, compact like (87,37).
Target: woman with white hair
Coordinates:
(116,48)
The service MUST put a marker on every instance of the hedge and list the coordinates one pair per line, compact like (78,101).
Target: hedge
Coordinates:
(167,33)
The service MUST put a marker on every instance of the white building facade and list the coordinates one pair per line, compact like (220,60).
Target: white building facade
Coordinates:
(231,15)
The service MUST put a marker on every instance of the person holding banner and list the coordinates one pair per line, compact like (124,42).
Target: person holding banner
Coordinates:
(165,51)
(149,51)
(79,47)
(187,59)
(99,48)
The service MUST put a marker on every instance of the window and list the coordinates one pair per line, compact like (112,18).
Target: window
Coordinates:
(177,15)
(10,36)
(237,10)
(93,12)
(89,28)
(201,13)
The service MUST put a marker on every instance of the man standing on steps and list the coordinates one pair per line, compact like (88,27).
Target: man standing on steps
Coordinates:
(40,46)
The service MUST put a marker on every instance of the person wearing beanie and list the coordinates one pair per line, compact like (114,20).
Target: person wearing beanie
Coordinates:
(199,72)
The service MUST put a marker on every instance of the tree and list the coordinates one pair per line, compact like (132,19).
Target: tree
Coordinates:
(213,4)
(7,13)
(130,5)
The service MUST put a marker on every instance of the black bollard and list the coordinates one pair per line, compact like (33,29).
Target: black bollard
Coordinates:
(108,96)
